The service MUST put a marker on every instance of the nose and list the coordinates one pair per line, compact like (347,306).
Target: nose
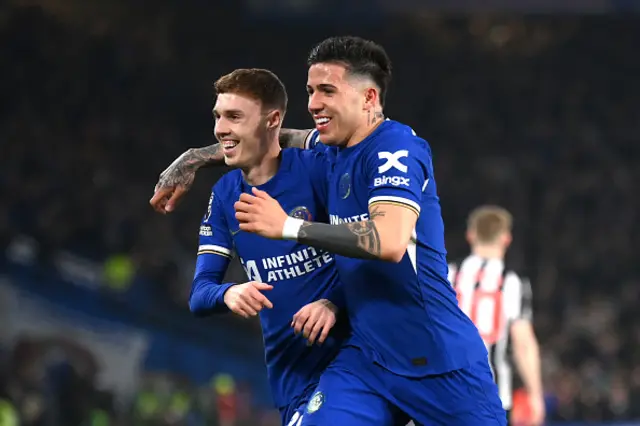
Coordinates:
(315,104)
(221,127)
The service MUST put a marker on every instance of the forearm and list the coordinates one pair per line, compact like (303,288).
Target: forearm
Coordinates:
(207,297)
(294,138)
(356,239)
(212,155)
(527,358)
(206,156)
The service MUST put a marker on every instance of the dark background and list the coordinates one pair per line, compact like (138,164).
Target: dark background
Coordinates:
(538,113)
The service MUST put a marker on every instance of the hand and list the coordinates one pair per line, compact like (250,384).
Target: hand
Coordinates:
(537,407)
(174,182)
(314,318)
(246,299)
(260,214)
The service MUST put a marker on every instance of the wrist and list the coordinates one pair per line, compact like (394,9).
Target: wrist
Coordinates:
(329,304)
(291,228)
(225,292)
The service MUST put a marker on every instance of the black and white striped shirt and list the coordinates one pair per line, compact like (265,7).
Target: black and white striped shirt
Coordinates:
(493,297)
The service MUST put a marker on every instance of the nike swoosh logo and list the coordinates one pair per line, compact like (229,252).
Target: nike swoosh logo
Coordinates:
(233,233)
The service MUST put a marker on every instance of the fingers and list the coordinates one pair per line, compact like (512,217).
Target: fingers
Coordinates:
(247,198)
(260,193)
(251,301)
(314,322)
(300,319)
(175,198)
(160,198)
(244,207)
(325,331)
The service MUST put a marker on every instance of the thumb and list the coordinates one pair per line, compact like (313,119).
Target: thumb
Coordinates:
(260,193)
(261,286)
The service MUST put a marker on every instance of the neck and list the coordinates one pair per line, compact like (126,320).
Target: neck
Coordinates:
(488,251)
(373,120)
(266,167)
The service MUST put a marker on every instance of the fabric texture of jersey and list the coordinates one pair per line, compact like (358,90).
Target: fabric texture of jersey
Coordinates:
(299,274)
(494,297)
(404,315)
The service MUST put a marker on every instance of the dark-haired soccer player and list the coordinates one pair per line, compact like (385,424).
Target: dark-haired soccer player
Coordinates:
(284,275)
(413,351)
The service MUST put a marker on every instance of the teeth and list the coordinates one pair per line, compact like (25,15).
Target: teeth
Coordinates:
(323,120)
(229,144)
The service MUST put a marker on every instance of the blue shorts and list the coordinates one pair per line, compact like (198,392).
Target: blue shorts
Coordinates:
(356,392)
(291,415)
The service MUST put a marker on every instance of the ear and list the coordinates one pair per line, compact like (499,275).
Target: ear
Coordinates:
(274,119)
(507,238)
(470,237)
(371,97)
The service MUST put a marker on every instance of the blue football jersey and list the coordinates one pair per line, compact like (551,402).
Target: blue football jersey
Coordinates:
(404,316)
(299,274)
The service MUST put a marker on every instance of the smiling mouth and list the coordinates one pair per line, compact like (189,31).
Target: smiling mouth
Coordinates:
(322,122)
(228,145)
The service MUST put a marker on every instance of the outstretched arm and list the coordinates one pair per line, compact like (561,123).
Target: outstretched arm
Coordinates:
(176,180)
(385,236)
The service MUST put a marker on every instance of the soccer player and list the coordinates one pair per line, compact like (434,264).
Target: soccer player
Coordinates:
(413,351)
(284,275)
(498,301)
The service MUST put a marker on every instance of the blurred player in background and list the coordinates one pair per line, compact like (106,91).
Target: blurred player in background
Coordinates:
(413,351)
(498,301)
(284,276)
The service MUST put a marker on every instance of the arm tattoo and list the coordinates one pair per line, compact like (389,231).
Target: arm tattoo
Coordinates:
(207,156)
(293,138)
(183,170)
(355,239)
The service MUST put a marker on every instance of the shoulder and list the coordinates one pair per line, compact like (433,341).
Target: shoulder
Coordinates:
(395,136)
(515,282)
(224,187)
(227,182)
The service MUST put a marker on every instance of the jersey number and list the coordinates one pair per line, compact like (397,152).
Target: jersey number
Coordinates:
(486,313)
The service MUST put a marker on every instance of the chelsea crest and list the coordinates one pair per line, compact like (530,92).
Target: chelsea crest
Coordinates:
(315,402)
(301,213)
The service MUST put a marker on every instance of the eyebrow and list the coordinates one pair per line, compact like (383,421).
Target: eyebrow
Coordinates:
(227,111)
(323,86)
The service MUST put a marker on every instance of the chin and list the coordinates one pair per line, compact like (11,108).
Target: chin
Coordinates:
(329,140)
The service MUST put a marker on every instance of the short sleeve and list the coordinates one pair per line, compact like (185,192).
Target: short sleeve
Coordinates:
(398,171)
(518,298)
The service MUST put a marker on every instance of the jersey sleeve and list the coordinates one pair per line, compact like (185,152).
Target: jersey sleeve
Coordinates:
(398,172)
(313,140)
(214,255)
(518,298)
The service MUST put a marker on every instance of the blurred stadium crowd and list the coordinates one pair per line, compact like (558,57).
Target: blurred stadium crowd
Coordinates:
(538,115)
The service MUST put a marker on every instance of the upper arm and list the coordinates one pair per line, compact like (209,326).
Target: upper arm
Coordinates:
(215,237)
(519,306)
(294,138)
(518,298)
(398,173)
(214,255)
(215,246)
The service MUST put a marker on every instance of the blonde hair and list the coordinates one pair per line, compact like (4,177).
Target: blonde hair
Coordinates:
(489,222)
